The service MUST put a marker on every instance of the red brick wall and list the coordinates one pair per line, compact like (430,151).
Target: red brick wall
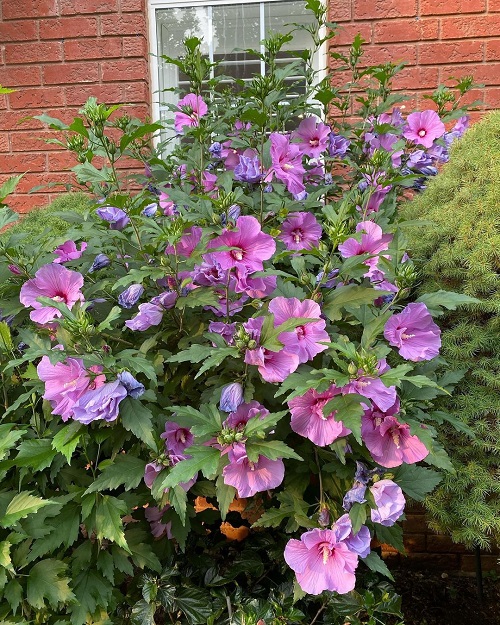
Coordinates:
(437,39)
(57,53)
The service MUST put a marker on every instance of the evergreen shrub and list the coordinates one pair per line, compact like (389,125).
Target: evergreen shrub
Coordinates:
(460,251)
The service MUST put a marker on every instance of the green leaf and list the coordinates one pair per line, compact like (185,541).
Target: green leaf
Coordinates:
(390,536)
(8,438)
(201,422)
(438,300)
(375,563)
(373,328)
(216,359)
(92,591)
(177,497)
(67,439)
(136,418)
(86,172)
(348,410)
(270,449)
(108,520)
(225,495)
(143,613)
(113,314)
(126,470)
(357,514)
(198,297)
(351,295)
(7,216)
(13,592)
(46,581)
(36,453)
(20,506)
(195,353)
(6,344)
(195,604)
(416,481)
(394,376)
(137,363)
(269,334)
(53,122)
(204,459)
(5,560)
(257,425)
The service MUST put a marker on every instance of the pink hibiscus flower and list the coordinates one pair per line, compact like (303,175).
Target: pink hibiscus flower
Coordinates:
(66,382)
(313,137)
(372,387)
(192,107)
(176,438)
(423,128)
(251,246)
(414,333)
(305,340)
(68,251)
(249,477)
(188,241)
(56,282)
(389,441)
(300,231)
(308,418)
(373,241)
(322,562)
(286,161)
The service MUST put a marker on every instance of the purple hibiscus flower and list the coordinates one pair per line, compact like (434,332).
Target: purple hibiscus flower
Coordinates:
(177,438)
(248,168)
(131,295)
(389,500)
(414,333)
(231,397)
(100,403)
(312,136)
(338,145)
(188,241)
(116,217)
(243,413)
(57,283)
(300,231)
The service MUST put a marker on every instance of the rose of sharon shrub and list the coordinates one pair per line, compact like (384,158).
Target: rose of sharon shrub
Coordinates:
(253,337)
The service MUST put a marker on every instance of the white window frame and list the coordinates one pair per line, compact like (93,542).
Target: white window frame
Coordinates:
(153,5)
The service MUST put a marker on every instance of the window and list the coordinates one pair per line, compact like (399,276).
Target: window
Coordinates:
(224,27)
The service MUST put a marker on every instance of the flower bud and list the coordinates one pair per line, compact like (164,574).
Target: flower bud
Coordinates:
(100,261)
(130,297)
(14,269)
(324,517)
(231,397)
(134,388)
(150,210)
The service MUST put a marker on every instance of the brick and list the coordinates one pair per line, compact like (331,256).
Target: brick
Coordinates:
(66,27)
(20,76)
(339,10)
(485,73)
(416,77)
(488,563)
(440,543)
(4,142)
(415,543)
(405,30)
(38,98)
(30,181)
(347,32)
(92,48)
(492,50)
(15,120)
(493,5)
(22,30)
(381,9)
(451,7)
(136,92)
(33,52)
(133,5)
(79,94)
(70,73)
(23,140)
(450,52)
(72,7)
(395,53)
(22,162)
(13,9)
(25,203)
(135,46)
(471,26)
(440,562)
(128,24)
(124,70)
(60,161)
(491,98)
(414,523)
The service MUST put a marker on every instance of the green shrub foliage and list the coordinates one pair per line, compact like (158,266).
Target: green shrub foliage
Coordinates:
(459,251)
(240,326)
